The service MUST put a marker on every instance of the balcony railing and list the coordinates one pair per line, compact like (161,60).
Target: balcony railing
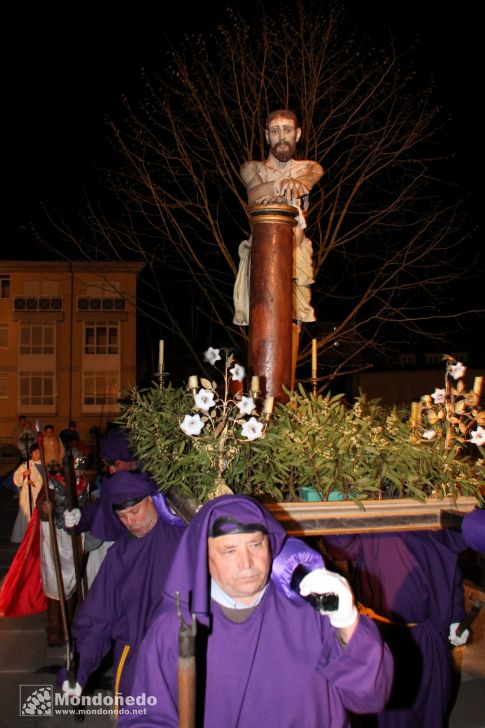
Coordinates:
(38,303)
(103,303)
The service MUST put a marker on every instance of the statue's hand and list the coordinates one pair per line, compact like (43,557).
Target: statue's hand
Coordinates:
(290,188)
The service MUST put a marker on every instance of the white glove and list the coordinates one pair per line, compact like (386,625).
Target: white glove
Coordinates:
(321,581)
(72,518)
(74,692)
(454,639)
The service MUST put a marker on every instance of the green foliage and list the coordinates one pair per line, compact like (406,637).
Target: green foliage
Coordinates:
(362,451)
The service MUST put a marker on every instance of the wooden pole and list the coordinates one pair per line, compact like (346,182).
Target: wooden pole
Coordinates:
(271,297)
(186,670)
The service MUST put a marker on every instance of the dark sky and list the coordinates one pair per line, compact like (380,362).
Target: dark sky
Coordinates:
(68,64)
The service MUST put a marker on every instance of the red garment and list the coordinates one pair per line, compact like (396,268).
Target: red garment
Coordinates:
(21,592)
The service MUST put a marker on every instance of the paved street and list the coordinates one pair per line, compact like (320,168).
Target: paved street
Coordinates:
(25,660)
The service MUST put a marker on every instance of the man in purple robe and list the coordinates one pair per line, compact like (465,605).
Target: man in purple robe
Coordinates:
(412,584)
(129,583)
(473,530)
(263,659)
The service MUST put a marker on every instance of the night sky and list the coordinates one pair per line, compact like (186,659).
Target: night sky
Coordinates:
(68,66)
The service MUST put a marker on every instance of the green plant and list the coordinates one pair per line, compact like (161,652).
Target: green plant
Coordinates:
(364,451)
(197,440)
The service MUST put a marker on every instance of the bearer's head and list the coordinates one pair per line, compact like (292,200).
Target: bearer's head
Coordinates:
(131,500)
(239,557)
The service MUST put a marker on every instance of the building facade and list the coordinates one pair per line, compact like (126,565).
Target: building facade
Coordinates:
(67,342)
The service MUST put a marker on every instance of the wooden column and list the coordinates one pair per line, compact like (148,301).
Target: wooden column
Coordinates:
(271,296)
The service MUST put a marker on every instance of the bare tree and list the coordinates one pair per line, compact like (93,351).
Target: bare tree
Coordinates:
(386,247)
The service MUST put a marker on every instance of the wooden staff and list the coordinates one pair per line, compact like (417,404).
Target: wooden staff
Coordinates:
(186,670)
(57,566)
(71,497)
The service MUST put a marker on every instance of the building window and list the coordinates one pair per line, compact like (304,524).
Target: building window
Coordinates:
(100,389)
(38,303)
(36,389)
(407,360)
(432,358)
(3,336)
(4,286)
(3,385)
(101,303)
(101,338)
(37,338)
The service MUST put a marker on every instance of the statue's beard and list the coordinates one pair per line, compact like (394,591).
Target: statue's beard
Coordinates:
(283,151)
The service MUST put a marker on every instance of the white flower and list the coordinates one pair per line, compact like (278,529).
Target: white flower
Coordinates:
(457,370)
(212,355)
(439,396)
(246,405)
(192,425)
(204,399)
(238,373)
(478,436)
(252,429)
(429,434)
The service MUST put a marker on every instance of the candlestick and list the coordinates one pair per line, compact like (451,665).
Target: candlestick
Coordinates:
(314,367)
(268,406)
(477,385)
(193,382)
(414,414)
(160,363)
(255,385)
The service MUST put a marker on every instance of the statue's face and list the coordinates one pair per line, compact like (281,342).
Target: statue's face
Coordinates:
(282,137)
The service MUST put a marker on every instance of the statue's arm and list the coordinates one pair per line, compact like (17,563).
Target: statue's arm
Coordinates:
(293,187)
(260,192)
(255,186)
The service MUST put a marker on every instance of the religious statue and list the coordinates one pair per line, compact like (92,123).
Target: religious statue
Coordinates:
(280,179)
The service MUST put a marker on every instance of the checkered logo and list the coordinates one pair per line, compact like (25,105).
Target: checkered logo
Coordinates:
(36,700)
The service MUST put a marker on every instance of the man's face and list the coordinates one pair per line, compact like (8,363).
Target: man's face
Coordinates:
(282,136)
(240,564)
(49,431)
(35,455)
(115,465)
(140,518)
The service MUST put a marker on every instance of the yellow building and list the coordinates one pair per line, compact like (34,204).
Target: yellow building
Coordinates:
(67,342)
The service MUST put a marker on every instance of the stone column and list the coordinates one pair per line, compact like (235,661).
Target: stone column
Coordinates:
(271,296)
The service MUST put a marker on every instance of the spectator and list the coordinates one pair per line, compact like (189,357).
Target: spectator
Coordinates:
(53,447)
(70,436)
(28,479)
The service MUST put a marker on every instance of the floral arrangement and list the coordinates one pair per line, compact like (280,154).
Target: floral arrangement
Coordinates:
(226,421)
(198,439)
(452,413)
(206,439)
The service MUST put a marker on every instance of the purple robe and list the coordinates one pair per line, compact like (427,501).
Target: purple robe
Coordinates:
(282,666)
(126,590)
(115,445)
(473,530)
(410,579)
